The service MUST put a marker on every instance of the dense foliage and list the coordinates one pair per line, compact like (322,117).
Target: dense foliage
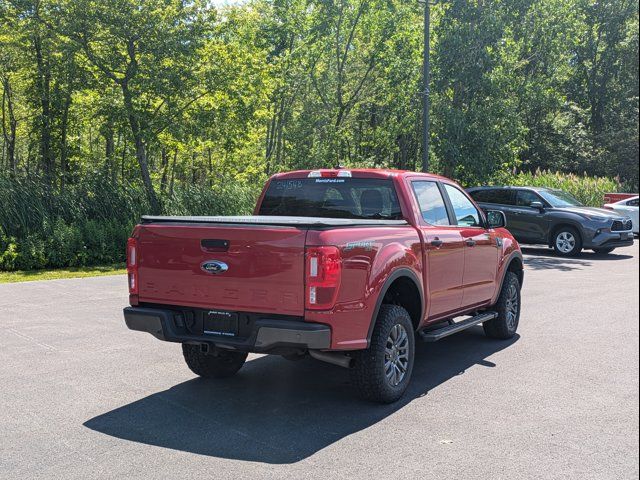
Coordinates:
(90,222)
(113,108)
(588,190)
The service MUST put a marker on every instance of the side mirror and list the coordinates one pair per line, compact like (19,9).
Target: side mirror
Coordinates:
(538,205)
(496,219)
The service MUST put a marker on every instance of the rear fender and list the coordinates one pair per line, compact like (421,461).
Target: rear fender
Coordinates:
(395,275)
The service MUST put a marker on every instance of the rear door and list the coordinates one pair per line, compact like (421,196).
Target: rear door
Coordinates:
(502,199)
(250,268)
(480,248)
(443,250)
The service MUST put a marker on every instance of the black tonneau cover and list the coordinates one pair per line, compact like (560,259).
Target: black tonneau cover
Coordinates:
(318,222)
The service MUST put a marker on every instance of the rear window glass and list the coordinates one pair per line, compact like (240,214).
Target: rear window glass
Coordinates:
(500,196)
(332,198)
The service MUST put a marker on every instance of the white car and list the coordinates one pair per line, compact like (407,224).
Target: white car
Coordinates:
(628,207)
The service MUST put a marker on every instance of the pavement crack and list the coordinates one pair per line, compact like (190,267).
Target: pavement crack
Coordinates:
(46,346)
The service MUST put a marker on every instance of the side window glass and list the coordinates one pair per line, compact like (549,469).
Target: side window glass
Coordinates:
(483,196)
(632,203)
(467,214)
(526,197)
(431,203)
(504,197)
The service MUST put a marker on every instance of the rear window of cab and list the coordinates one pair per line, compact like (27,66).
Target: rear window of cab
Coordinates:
(357,198)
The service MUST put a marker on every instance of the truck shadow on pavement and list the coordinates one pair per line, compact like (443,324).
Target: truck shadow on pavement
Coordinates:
(277,411)
(546,259)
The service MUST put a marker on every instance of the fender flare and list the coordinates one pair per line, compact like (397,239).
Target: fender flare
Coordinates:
(392,277)
(516,254)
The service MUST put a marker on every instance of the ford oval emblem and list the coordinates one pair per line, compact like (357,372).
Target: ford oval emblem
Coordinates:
(214,266)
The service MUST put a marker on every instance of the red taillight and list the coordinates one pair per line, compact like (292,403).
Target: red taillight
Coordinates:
(132,265)
(323,272)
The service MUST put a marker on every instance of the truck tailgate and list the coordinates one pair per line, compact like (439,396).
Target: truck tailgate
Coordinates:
(252,268)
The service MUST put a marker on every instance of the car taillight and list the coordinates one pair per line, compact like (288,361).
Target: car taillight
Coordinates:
(323,272)
(132,265)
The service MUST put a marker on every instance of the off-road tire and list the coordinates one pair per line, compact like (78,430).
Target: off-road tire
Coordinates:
(603,251)
(368,373)
(220,364)
(503,326)
(577,248)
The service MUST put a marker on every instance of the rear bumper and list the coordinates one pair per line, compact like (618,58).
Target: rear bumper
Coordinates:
(266,334)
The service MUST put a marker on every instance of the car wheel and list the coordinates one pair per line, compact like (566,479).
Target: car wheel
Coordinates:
(603,251)
(505,325)
(567,242)
(218,364)
(382,372)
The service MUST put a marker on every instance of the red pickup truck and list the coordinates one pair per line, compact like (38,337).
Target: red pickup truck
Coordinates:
(347,266)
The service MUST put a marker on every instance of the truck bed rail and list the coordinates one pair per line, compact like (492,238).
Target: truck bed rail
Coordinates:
(318,222)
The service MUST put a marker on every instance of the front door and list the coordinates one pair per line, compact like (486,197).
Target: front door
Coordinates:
(528,224)
(480,247)
(443,251)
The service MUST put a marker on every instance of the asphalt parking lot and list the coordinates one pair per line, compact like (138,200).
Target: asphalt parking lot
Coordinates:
(83,397)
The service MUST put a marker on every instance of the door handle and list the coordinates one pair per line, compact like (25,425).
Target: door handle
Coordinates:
(436,242)
(470,242)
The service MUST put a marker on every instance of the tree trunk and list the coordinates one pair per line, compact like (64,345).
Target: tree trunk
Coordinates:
(124,157)
(10,134)
(109,148)
(44,86)
(164,159)
(141,152)
(173,171)
(210,164)
(64,167)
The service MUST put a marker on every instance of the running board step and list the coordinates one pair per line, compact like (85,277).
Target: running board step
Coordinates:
(440,333)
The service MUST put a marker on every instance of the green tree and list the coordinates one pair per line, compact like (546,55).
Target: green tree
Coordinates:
(148,49)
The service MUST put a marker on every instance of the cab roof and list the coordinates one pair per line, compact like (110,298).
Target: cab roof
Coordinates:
(356,173)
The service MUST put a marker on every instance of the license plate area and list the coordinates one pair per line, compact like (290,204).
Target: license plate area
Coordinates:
(220,322)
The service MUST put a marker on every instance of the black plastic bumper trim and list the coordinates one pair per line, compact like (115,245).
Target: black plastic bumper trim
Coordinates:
(268,333)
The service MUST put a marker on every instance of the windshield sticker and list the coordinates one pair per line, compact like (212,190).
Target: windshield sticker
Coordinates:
(329,180)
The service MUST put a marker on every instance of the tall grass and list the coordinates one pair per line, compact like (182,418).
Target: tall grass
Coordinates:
(88,224)
(589,190)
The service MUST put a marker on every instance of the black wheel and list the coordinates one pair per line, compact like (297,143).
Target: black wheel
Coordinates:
(567,242)
(504,326)
(382,372)
(603,251)
(219,364)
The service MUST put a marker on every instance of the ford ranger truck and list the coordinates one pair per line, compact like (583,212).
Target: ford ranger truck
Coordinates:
(349,267)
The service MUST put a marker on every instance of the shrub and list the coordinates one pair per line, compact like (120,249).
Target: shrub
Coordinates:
(88,224)
(589,190)
(226,199)
(8,252)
